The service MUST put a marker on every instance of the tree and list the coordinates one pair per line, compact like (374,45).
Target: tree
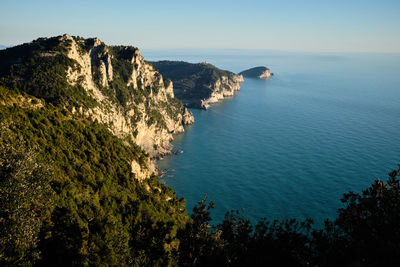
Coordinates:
(371,222)
(283,243)
(62,247)
(367,230)
(199,245)
(24,192)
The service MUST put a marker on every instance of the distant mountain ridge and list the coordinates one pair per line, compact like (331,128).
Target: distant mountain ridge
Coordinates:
(199,85)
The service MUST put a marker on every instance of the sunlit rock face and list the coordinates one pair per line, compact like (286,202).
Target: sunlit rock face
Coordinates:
(112,85)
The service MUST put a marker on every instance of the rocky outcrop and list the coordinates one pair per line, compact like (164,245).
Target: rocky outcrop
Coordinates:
(257,72)
(199,85)
(187,117)
(223,87)
(112,85)
(132,118)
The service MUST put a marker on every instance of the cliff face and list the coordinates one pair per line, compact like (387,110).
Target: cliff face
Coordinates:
(257,72)
(65,175)
(224,86)
(112,85)
(199,85)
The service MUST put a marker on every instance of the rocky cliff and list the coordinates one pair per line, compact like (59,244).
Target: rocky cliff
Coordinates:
(257,72)
(112,85)
(199,85)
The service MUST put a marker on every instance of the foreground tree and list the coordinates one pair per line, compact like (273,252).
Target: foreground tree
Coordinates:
(277,243)
(35,230)
(365,233)
(24,191)
(199,244)
(367,230)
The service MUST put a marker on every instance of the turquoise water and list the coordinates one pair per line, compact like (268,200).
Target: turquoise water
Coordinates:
(292,145)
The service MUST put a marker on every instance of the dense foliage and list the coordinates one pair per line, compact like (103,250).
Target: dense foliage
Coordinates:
(97,211)
(87,208)
(24,192)
(365,233)
(40,68)
(68,196)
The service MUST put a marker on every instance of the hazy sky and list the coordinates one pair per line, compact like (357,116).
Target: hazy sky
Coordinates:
(307,25)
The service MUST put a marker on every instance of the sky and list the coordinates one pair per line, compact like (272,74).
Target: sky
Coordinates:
(307,25)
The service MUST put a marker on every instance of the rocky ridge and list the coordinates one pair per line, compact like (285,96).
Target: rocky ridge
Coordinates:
(199,85)
(113,85)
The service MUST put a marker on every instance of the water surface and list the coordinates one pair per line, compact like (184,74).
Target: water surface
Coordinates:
(292,145)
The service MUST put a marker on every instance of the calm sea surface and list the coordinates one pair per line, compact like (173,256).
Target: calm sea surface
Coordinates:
(292,145)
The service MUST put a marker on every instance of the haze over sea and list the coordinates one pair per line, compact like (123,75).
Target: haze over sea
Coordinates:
(292,145)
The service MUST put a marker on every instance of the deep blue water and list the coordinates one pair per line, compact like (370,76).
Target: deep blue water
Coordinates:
(292,145)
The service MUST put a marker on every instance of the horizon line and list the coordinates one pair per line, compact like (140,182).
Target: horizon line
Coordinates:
(144,48)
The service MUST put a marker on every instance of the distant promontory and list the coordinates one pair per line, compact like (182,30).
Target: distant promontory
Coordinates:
(257,72)
(199,85)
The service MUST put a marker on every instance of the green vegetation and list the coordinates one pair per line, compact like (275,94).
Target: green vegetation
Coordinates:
(254,72)
(84,45)
(191,81)
(80,204)
(97,206)
(120,92)
(40,69)
(24,193)
(68,196)
(156,117)
(117,221)
(365,233)
(122,70)
(173,107)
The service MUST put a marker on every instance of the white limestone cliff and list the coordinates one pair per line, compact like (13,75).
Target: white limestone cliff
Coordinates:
(132,120)
(222,88)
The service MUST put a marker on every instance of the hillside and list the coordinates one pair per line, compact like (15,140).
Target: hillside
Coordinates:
(79,124)
(199,85)
(111,84)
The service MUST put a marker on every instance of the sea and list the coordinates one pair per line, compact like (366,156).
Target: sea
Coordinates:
(291,146)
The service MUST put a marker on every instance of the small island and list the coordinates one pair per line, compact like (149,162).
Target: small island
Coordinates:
(257,72)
